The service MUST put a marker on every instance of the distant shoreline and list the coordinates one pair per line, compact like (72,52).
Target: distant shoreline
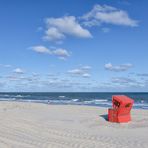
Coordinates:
(61,104)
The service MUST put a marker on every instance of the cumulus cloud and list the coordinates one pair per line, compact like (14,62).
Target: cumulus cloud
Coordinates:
(13,78)
(122,80)
(123,67)
(61,53)
(21,78)
(127,82)
(18,71)
(58,28)
(76,71)
(109,15)
(40,49)
(83,71)
(86,75)
(53,33)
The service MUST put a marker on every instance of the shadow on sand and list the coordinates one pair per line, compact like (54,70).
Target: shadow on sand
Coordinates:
(105,116)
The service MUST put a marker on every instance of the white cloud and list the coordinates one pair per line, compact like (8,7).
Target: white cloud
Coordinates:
(82,71)
(109,15)
(90,23)
(62,58)
(13,78)
(18,71)
(40,49)
(123,80)
(61,53)
(53,34)
(21,78)
(86,75)
(58,28)
(123,67)
(86,67)
(76,71)
(127,82)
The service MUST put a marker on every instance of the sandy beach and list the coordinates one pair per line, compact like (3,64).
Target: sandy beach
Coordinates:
(34,125)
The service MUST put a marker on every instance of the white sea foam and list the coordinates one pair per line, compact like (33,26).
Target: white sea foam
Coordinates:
(101,100)
(75,100)
(61,96)
(19,96)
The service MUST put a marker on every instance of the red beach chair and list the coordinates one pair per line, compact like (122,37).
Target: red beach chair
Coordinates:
(120,112)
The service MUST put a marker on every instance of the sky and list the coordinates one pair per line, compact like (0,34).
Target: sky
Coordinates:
(73,46)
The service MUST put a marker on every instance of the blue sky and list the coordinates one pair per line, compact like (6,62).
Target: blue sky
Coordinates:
(76,45)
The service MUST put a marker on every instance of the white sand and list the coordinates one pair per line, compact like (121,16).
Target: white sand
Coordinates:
(32,125)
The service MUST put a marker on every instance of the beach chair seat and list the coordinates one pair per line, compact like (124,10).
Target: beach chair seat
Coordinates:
(112,115)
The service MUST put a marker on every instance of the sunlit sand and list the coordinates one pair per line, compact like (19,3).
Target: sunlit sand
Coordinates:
(34,125)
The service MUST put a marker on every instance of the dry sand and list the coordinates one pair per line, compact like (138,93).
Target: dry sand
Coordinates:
(34,125)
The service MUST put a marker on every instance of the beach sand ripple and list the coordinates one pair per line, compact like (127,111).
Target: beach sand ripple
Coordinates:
(34,125)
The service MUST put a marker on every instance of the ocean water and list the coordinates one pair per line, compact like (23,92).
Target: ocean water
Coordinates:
(78,98)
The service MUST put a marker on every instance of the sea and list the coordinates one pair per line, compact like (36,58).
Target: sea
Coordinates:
(101,99)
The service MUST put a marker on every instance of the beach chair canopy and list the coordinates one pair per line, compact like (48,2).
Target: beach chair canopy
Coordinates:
(122,100)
